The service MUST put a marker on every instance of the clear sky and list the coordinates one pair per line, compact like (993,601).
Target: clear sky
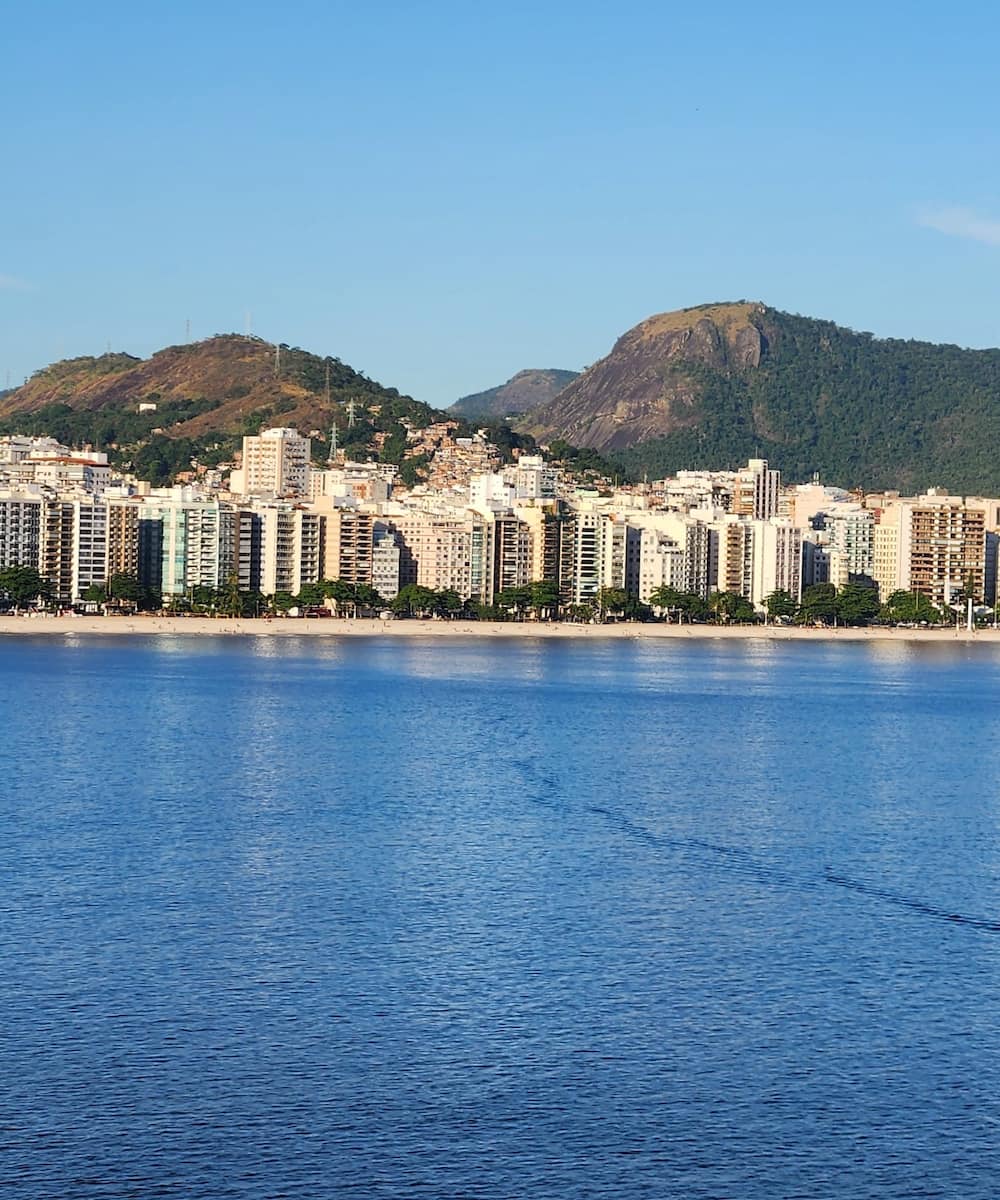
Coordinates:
(443,193)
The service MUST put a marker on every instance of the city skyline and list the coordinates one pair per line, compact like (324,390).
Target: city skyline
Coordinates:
(480,536)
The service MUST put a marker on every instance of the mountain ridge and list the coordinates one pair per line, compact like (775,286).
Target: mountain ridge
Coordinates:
(207,396)
(712,385)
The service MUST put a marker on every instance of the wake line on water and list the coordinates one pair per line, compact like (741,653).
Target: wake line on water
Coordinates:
(746,864)
(742,862)
(928,910)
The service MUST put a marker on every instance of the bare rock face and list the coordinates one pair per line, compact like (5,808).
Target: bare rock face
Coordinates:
(648,386)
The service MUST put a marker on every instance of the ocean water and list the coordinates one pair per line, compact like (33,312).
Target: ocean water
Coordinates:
(492,918)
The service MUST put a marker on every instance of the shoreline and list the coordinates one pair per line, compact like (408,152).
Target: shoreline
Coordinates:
(142,626)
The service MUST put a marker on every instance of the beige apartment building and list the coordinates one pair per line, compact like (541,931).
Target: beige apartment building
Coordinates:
(444,552)
(934,544)
(276,463)
(757,491)
(347,537)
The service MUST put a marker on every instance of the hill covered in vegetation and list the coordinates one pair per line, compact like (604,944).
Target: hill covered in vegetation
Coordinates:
(194,403)
(199,400)
(714,385)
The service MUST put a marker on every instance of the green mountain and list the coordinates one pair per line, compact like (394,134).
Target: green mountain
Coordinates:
(200,399)
(525,392)
(713,385)
(207,396)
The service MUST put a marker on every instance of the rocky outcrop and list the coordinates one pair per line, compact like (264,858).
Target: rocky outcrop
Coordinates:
(649,385)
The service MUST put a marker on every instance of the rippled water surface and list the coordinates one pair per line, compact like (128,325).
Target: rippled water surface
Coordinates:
(286,918)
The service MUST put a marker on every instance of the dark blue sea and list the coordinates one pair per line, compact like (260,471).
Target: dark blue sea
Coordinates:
(365,918)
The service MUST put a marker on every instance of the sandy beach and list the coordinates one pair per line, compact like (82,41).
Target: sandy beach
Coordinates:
(153,626)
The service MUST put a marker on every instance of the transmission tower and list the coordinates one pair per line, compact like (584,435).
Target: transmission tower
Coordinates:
(350,413)
(333,443)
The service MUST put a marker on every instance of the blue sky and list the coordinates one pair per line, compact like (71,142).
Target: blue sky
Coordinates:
(443,193)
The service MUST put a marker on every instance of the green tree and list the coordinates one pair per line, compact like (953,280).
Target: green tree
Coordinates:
(24,585)
(780,604)
(904,607)
(635,610)
(124,587)
(367,598)
(446,603)
(731,606)
(121,589)
(413,600)
(682,606)
(544,598)
(819,603)
(517,599)
(857,604)
(668,600)
(342,593)
(203,599)
(231,601)
(310,595)
(612,600)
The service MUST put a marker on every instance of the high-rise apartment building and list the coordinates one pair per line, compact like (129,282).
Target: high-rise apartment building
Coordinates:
(346,543)
(289,548)
(943,548)
(276,463)
(757,491)
(20,529)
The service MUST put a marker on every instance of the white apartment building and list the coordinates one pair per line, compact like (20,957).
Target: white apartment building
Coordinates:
(290,548)
(20,529)
(850,534)
(351,481)
(661,563)
(385,562)
(83,472)
(672,551)
(934,544)
(532,478)
(755,558)
(491,493)
(777,560)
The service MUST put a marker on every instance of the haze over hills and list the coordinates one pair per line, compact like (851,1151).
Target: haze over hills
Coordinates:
(713,385)
(523,393)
